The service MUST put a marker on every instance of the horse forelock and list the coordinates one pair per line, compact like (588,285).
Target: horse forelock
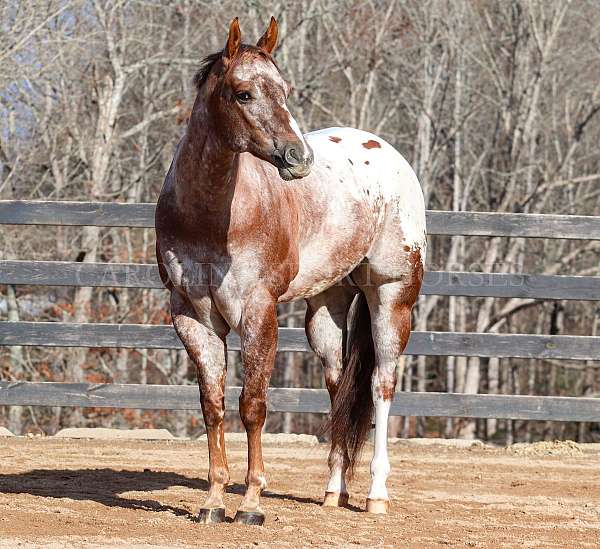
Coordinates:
(245,51)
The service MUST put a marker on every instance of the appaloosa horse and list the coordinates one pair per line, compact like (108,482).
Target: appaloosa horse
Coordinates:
(253,213)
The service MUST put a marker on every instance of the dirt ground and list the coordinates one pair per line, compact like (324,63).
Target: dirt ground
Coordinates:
(78,493)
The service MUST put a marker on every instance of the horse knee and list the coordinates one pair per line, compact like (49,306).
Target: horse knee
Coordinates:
(213,409)
(253,410)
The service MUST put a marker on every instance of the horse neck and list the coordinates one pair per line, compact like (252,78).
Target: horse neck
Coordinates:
(205,169)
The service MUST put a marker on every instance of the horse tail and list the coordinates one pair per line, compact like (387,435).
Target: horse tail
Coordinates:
(352,409)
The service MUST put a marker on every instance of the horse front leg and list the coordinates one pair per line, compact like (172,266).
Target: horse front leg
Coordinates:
(202,332)
(259,344)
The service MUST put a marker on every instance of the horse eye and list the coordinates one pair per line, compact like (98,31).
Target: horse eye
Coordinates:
(244,97)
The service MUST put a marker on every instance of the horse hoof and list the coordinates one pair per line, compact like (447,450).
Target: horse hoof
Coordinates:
(335,499)
(254,518)
(211,516)
(378,506)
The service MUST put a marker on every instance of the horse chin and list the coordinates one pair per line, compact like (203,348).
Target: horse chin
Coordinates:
(289,174)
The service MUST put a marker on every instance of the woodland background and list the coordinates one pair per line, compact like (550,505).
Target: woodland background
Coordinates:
(495,104)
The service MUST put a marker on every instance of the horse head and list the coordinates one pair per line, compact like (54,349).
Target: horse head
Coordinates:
(246,99)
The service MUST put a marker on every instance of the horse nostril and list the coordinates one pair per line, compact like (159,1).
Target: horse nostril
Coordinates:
(291,156)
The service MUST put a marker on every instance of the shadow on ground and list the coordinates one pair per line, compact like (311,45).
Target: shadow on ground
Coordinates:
(105,486)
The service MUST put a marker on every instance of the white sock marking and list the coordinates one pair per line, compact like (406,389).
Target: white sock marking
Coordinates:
(337,482)
(380,465)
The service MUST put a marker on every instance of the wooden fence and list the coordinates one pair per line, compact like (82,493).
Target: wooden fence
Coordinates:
(59,334)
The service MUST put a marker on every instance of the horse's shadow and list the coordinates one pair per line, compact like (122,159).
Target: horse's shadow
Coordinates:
(105,486)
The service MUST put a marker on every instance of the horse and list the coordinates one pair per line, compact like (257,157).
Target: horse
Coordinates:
(253,213)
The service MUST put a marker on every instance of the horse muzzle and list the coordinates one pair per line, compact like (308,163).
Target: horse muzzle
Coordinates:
(295,161)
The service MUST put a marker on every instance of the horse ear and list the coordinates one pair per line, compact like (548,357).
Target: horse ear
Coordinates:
(268,41)
(234,40)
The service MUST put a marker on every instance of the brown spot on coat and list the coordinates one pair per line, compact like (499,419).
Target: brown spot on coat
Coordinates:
(335,139)
(367,162)
(387,390)
(372,144)
(411,291)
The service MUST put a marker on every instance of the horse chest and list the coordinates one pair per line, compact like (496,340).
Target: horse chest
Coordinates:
(228,277)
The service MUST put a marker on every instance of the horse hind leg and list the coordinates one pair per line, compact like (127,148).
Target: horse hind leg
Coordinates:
(326,331)
(390,305)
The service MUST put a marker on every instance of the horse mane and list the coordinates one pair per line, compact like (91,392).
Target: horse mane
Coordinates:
(206,66)
(209,62)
